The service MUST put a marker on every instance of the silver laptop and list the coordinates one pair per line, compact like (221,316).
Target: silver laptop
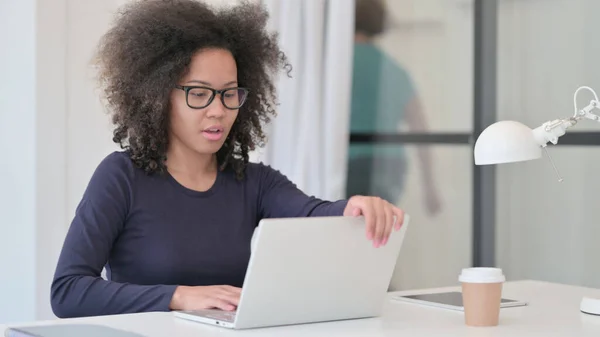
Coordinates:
(306,270)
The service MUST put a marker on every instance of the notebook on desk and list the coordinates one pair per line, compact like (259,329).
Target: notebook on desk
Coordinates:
(68,330)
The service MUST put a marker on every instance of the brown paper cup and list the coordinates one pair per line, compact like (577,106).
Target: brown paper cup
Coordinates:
(482,293)
(482,303)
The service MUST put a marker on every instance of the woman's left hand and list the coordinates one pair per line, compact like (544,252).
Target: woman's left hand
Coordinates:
(380,216)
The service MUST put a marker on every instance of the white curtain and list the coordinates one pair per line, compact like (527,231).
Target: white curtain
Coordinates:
(308,139)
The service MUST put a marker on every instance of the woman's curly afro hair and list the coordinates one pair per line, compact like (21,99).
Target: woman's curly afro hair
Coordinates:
(148,50)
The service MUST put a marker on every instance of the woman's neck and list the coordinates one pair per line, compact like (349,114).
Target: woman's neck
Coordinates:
(191,169)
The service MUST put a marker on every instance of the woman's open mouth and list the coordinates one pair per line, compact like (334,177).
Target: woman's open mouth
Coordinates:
(213,133)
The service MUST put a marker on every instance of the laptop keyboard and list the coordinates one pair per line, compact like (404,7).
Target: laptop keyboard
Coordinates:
(225,316)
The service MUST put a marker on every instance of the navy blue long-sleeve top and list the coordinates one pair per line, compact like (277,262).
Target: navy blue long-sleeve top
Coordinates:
(152,234)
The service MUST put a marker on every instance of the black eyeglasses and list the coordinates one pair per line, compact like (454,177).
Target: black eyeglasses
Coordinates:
(200,97)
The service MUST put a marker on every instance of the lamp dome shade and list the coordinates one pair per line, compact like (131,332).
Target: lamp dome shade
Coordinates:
(506,142)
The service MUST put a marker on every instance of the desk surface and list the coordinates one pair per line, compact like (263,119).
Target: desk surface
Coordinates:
(553,310)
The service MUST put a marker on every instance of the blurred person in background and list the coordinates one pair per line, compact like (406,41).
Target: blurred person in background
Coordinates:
(383,98)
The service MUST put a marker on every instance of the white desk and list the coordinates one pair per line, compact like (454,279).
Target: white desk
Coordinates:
(553,311)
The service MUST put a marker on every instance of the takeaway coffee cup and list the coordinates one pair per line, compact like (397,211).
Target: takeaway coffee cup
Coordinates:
(481,293)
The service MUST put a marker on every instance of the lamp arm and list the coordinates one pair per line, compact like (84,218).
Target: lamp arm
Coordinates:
(577,112)
(549,132)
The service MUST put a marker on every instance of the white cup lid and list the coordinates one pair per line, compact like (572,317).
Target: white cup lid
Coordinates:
(481,275)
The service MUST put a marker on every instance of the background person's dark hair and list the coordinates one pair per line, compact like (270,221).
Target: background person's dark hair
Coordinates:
(370,17)
(148,50)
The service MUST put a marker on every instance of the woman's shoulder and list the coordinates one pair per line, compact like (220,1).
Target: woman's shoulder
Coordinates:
(116,166)
(264,174)
(256,170)
(112,180)
(116,160)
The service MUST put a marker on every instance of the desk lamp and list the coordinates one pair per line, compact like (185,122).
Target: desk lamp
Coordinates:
(511,141)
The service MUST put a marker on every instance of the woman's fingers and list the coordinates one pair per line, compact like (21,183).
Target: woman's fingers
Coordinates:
(219,303)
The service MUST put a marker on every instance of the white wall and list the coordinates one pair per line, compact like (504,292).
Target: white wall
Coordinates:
(18,170)
(51,145)
(32,110)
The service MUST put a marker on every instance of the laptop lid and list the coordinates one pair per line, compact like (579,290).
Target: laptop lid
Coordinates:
(315,269)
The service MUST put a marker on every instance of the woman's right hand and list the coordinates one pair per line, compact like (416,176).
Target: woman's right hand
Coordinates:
(205,297)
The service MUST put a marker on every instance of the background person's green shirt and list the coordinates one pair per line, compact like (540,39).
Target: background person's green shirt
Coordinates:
(381,90)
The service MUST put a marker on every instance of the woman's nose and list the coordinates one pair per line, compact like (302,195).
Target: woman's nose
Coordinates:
(216,109)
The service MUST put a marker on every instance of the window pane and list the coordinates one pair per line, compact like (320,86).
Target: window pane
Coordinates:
(416,74)
(438,241)
(542,63)
(548,230)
